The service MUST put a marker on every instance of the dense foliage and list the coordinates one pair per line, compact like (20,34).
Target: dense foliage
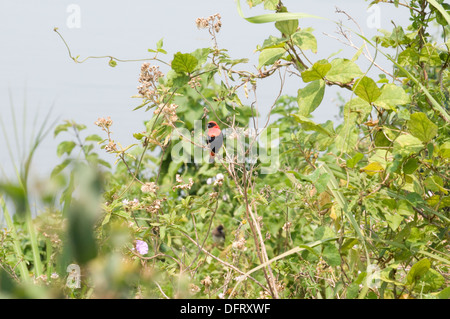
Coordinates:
(353,209)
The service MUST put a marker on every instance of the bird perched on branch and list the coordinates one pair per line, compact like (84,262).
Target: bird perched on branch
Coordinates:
(218,235)
(214,139)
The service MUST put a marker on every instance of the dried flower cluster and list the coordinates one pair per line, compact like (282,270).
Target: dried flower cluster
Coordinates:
(169,111)
(182,186)
(287,226)
(212,22)
(155,206)
(193,289)
(103,123)
(239,244)
(194,82)
(206,282)
(149,187)
(149,77)
(130,203)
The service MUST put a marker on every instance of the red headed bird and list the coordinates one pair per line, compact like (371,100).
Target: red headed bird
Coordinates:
(214,139)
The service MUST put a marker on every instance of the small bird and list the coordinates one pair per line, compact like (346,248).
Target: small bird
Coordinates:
(214,139)
(218,235)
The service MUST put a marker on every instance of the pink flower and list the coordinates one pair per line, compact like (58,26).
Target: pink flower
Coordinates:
(141,247)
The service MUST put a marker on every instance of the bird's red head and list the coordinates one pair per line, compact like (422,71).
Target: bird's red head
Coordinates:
(212,124)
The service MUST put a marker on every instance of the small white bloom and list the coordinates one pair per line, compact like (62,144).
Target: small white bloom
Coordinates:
(125,202)
(209,181)
(219,177)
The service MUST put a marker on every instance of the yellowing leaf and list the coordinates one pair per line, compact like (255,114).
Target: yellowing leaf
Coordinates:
(373,168)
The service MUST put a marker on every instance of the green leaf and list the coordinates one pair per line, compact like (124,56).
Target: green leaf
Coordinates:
(391,96)
(310,97)
(93,138)
(430,281)
(60,167)
(270,4)
(61,128)
(331,255)
(317,71)
(407,144)
(357,109)
(347,137)
(410,165)
(184,63)
(159,44)
(418,270)
(351,163)
(435,184)
(270,56)
(287,27)
(367,89)
(394,220)
(305,40)
(421,127)
(309,125)
(65,147)
(343,71)
(444,293)
(201,55)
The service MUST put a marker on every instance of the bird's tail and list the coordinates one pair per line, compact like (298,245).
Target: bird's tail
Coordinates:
(211,157)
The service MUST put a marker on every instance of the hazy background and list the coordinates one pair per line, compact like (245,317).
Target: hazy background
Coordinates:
(36,71)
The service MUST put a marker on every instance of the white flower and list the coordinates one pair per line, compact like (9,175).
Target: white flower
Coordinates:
(125,202)
(221,295)
(209,181)
(219,177)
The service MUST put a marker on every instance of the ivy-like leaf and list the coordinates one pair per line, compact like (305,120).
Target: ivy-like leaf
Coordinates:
(184,63)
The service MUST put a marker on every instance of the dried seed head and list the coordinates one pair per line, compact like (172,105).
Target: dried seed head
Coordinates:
(150,187)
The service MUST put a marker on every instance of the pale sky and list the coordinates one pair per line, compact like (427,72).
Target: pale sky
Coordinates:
(36,69)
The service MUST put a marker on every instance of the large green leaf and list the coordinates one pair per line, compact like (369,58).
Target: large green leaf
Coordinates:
(310,97)
(391,96)
(357,109)
(407,144)
(184,62)
(343,71)
(287,27)
(331,255)
(421,127)
(317,71)
(269,56)
(305,40)
(309,125)
(347,137)
(418,270)
(367,89)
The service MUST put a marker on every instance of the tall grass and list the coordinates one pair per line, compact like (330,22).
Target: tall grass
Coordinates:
(16,192)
